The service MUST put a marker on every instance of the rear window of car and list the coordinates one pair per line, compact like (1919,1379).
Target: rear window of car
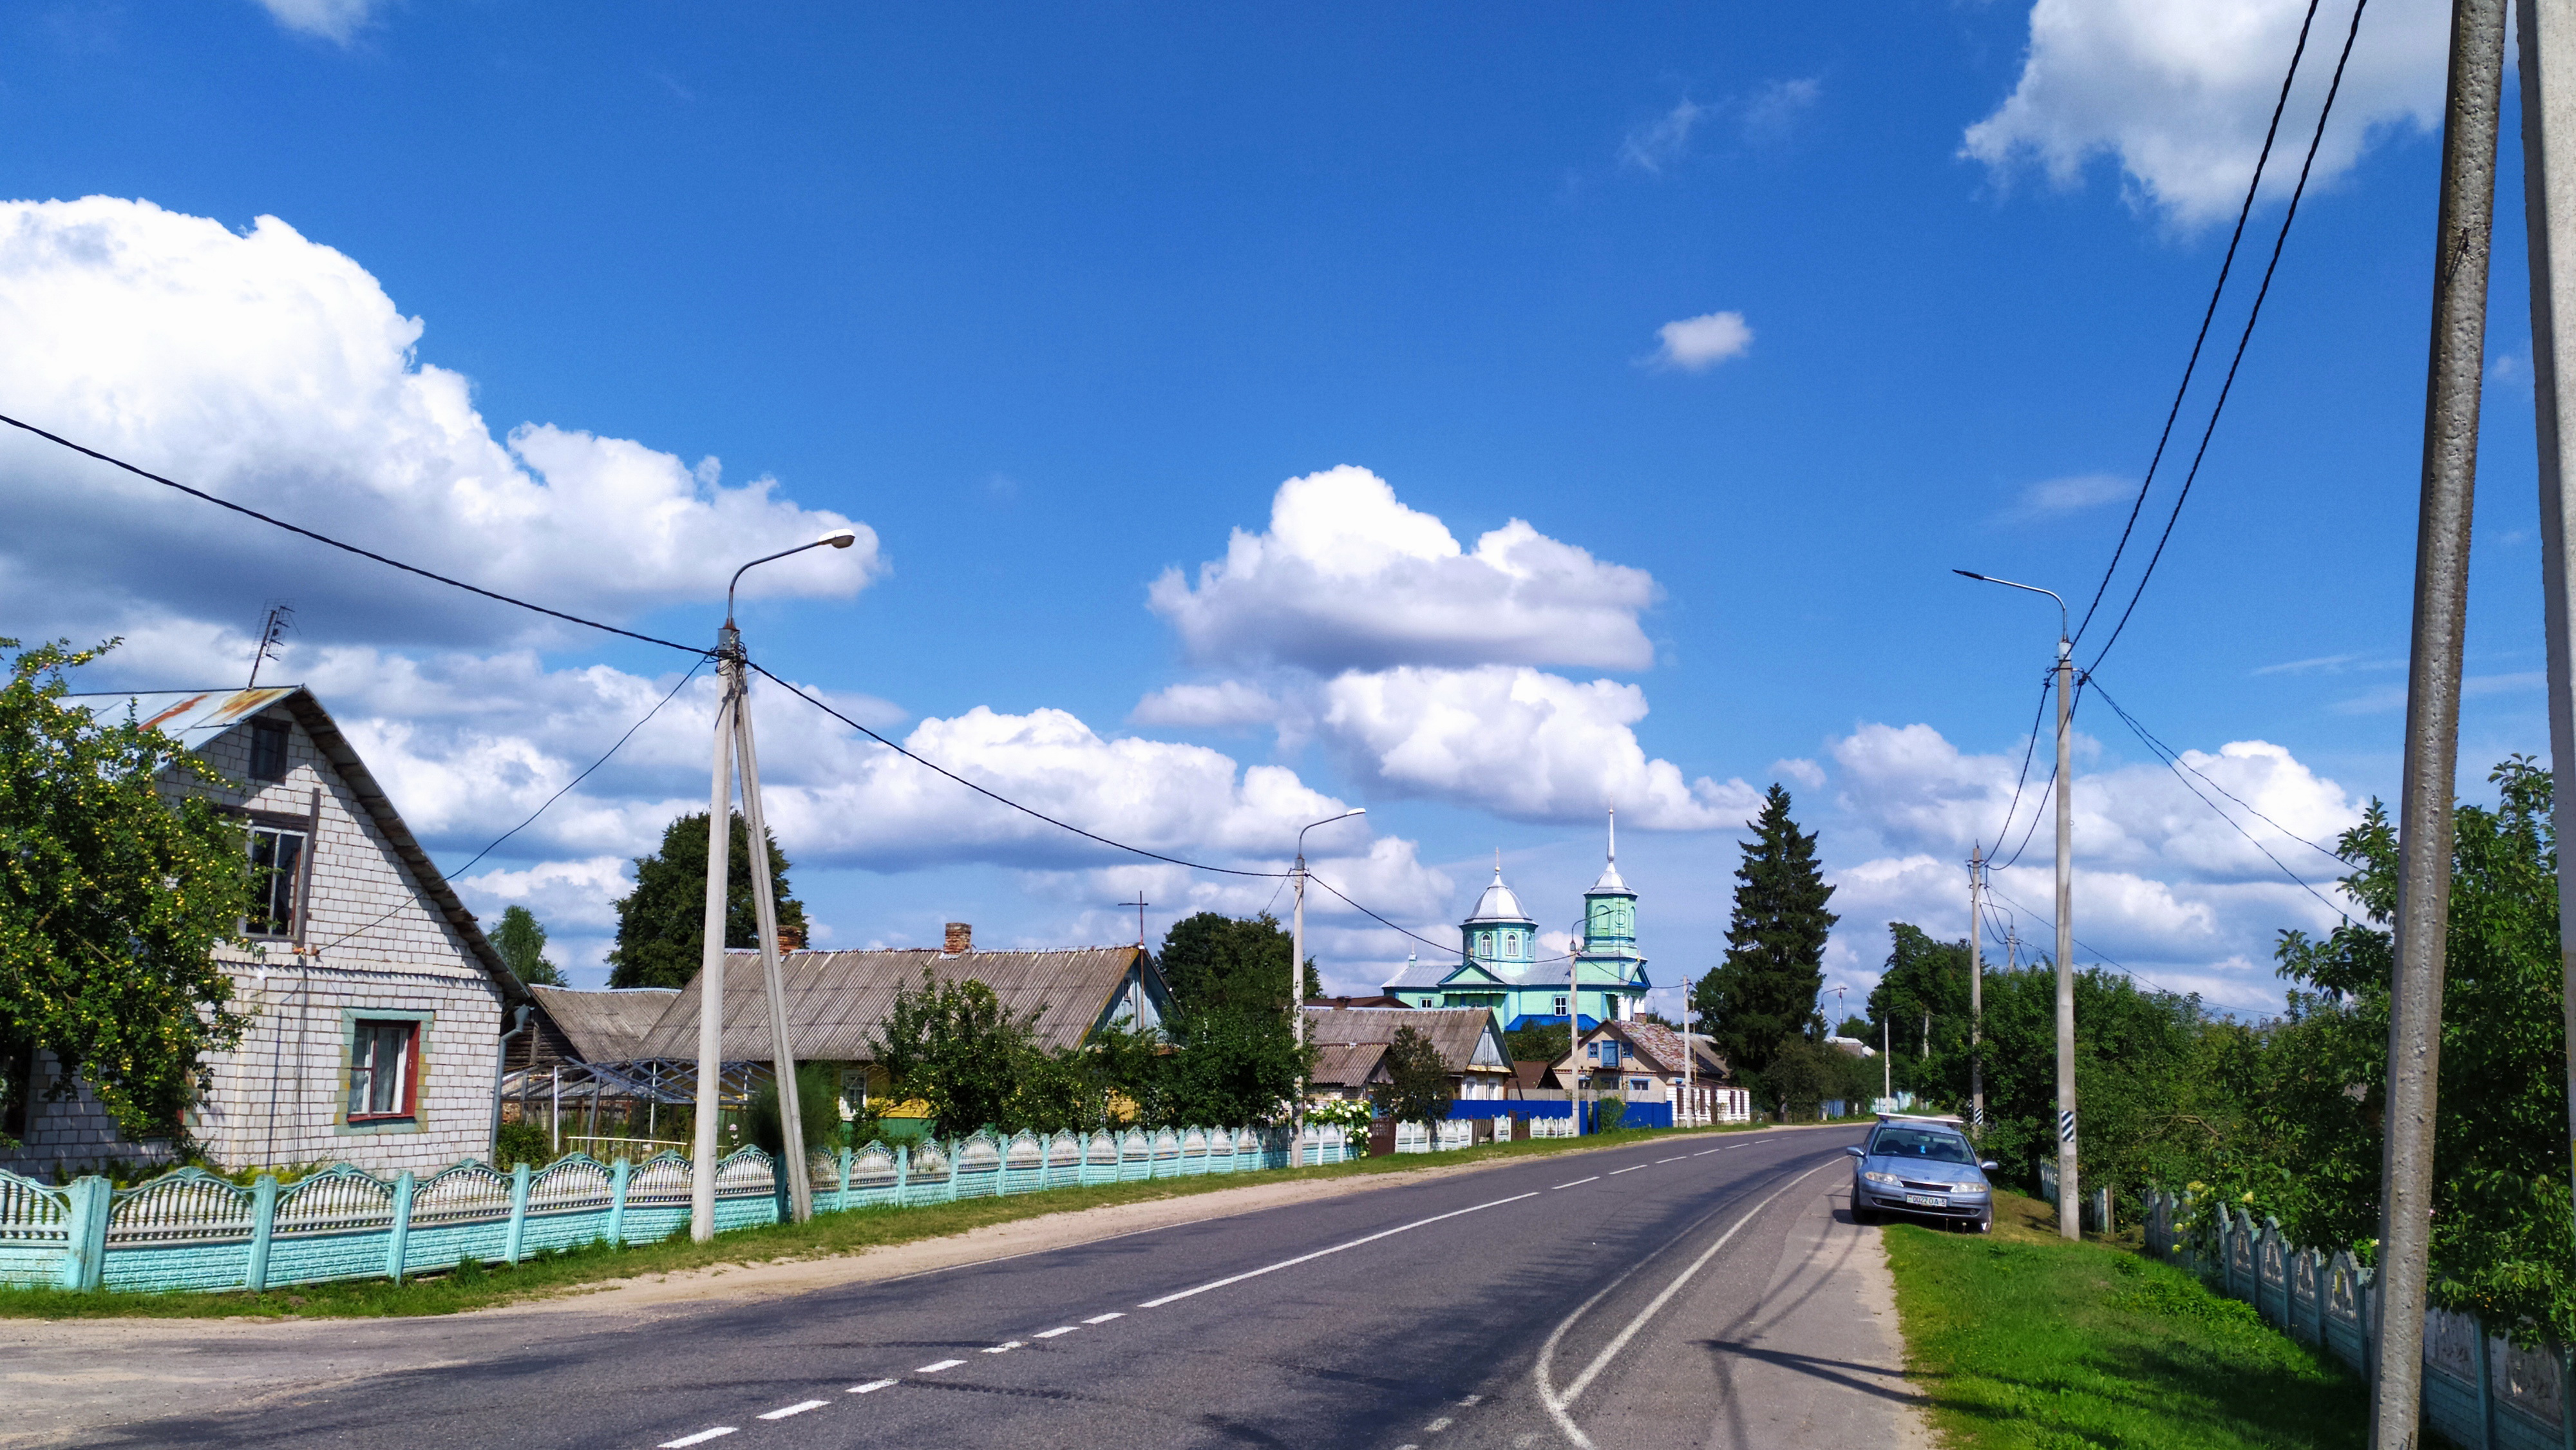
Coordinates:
(1929,1145)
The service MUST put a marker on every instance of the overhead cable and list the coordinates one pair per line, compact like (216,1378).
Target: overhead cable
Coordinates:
(320,538)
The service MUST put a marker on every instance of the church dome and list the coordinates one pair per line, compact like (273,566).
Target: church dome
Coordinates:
(1499,904)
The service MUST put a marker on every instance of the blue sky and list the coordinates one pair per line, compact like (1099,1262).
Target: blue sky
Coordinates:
(1053,303)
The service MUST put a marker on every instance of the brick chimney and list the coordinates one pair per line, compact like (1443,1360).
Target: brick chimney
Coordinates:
(961,937)
(791,937)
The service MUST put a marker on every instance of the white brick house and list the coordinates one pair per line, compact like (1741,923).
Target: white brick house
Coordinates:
(376,1004)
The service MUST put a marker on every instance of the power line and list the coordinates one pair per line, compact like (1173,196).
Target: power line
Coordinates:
(2101,957)
(2265,290)
(198,493)
(549,801)
(2161,748)
(2047,683)
(2225,265)
(1391,926)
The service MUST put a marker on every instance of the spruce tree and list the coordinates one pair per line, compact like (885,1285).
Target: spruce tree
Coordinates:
(1764,994)
(661,924)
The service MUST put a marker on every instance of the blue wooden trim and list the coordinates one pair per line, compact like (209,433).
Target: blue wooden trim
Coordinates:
(263,1227)
(518,1212)
(618,1173)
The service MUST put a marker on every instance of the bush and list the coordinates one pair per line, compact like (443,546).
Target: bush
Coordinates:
(522,1143)
(1613,1110)
(818,1102)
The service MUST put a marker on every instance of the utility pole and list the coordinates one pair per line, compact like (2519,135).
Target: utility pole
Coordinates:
(1886,1063)
(1296,973)
(1140,903)
(782,1046)
(2470,120)
(2549,211)
(1690,1054)
(2070,1218)
(1976,992)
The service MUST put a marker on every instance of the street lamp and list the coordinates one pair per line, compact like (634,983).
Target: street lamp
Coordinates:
(1297,970)
(733,735)
(2069,1203)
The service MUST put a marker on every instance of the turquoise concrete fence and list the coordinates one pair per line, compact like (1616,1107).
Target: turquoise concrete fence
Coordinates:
(2481,1392)
(191,1230)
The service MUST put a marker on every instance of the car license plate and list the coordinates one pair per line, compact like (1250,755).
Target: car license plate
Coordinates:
(1926,1200)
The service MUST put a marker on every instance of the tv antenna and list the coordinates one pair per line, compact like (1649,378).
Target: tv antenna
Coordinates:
(1140,903)
(272,631)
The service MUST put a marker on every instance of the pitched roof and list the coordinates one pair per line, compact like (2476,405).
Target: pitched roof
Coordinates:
(1661,1046)
(1455,1031)
(1534,1075)
(837,1000)
(1349,1064)
(196,717)
(605,1026)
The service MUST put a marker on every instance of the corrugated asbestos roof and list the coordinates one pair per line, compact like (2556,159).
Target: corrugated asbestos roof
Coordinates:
(1349,1064)
(836,1000)
(1454,1030)
(605,1026)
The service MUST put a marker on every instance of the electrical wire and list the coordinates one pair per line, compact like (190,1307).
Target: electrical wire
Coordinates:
(2226,265)
(2047,683)
(198,493)
(2295,878)
(565,790)
(2101,957)
(2247,336)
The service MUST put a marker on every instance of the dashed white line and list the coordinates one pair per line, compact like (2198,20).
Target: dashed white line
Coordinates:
(871,1387)
(1578,1183)
(1052,1333)
(1335,1249)
(1436,1426)
(699,1438)
(1676,1158)
(1007,1348)
(1105,1318)
(1631,1168)
(936,1368)
(1703,1152)
(782,1414)
(1470,1401)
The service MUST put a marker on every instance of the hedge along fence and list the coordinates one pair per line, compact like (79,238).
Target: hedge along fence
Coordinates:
(2480,1391)
(191,1230)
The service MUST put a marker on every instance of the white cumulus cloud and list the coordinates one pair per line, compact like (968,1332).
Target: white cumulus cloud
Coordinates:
(338,21)
(275,372)
(1347,577)
(2179,93)
(1695,344)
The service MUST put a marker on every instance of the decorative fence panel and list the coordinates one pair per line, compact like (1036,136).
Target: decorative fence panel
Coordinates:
(191,1230)
(2480,1392)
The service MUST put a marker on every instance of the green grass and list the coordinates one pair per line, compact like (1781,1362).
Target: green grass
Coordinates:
(829,1235)
(2020,1339)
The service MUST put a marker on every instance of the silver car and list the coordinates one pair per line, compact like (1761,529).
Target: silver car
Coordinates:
(1923,1167)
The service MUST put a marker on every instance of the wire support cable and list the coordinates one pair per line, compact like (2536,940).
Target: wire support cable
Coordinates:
(2175,756)
(2102,957)
(2192,364)
(1391,926)
(2047,682)
(321,538)
(2243,338)
(560,793)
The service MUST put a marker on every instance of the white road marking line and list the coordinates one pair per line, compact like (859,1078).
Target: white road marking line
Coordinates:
(1007,1348)
(1676,1158)
(1059,1329)
(1555,1403)
(936,1368)
(1578,1183)
(1335,1249)
(1471,1400)
(699,1438)
(1436,1426)
(1631,1168)
(1105,1318)
(795,1409)
(1704,1153)
(871,1387)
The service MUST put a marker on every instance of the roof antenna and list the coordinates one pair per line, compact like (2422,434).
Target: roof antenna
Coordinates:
(281,618)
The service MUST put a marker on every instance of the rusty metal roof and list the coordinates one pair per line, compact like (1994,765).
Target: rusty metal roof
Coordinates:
(605,1026)
(191,716)
(836,1000)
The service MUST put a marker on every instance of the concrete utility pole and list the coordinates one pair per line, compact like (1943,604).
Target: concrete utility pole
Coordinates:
(1296,969)
(733,734)
(1976,992)
(1690,1054)
(2548,35)
(2070,1213)
(2469,125)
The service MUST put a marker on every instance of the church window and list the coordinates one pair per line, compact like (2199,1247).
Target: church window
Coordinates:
(1559,1009)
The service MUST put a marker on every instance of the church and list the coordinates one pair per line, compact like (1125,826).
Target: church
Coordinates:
(1503,969)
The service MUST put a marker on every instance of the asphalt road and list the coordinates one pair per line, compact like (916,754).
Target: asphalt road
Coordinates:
(1690,1292)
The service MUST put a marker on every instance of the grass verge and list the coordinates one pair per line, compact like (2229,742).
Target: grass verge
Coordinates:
(829,1235)
(2020,1339)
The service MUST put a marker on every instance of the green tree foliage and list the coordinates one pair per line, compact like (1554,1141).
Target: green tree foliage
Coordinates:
(521,941)
(1806,1074)
(661,924)
(1765,991)
(1118,1076)
(113,899)
(1417,1087)
(1539,1042)
(2307,1147)
(953,1045)
(818,1107)
(1921,999)
(1858,1029)
(1218,963)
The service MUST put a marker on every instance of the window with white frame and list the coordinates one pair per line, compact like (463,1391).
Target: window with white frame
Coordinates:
(384,1069)
(1559,1009)
(276,871)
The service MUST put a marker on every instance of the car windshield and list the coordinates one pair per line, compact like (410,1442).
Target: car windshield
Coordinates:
(1927,1144)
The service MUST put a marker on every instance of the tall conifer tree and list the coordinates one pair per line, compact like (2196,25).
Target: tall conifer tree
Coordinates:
(661,924)
(1765,992)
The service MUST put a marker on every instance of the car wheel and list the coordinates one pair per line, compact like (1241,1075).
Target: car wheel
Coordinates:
(1863,1216)
(1986,1225)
